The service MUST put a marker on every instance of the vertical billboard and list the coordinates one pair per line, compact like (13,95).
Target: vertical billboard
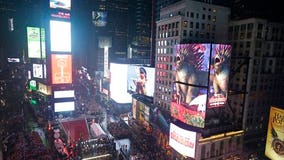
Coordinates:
(183,141)
(61,69)
(274,148)
(141,80)
(219,75)
(201,81)
(60,36)
(33,35)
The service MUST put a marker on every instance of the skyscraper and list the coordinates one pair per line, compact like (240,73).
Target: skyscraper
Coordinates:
(258,43)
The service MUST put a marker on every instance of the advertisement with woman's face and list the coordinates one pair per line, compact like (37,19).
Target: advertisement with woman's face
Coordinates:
(141,80)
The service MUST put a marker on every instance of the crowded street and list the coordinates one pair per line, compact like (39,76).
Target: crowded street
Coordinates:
(28,133)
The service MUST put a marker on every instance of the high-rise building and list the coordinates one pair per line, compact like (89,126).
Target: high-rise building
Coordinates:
(184,21)
(258,44)
(140,29)
(187,22)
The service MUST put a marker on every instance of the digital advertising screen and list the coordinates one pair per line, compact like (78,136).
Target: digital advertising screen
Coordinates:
(56,14)
(192,113)
(274,148)
(33,38)
(219,75)
(99,18)
(201,81)
(44,89)
(43,47)
(60,4)
(32,85)
(64,94)
(183,141)
(37,71)
(13,60)
(60,36)
(61,69)
(141,80)
(64,106)
(118,83)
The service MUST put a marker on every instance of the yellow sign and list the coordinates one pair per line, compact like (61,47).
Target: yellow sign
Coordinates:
(274,148)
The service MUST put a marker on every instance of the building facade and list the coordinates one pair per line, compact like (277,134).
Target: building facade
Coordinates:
(182,22)
(260,43)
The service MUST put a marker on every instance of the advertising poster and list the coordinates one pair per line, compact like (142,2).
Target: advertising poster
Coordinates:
(183,141)
(190,89)
(37,71)
(33,36)
(61,67)
(141,80)
(274,148)
(219,75)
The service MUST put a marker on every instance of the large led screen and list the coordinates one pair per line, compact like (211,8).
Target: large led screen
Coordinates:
(192,113)
(60,4)
(99,18)
(37,71)
(183,141)
(219,75)
(64,94)
(61,68)
(201,81)
(118,83)
(64,106)
(60,36)
(274,148)
(141,80)
(33,36)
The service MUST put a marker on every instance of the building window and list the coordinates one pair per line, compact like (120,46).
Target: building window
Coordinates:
(191,25)
(184,33)
(250,26)
(203,16)
(197,15)
(191,14)
(197,25)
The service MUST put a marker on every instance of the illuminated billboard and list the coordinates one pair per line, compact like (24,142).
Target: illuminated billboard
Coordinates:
(60,36)
(61,68)
(274,148)
(42,40)
(33,85)
(99,18)
(118,83)
(201,81)
(141,80)
(60,4)
(64,106)
(33,37)
(64,94)
(44,89)
(219,75)
(183,141)
(37,71)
